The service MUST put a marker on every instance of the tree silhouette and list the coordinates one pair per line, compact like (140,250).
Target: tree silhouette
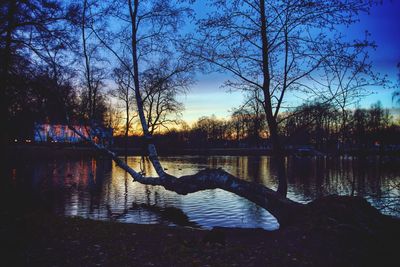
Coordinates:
(94,74)
(161,86)
(124,93)
(272,47)
(33,33)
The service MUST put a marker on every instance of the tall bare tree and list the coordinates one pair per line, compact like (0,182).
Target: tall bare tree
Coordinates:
(93,72)
(271,46)
(147,33)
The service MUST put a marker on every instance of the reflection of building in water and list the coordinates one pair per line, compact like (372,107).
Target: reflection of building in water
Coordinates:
(63,134)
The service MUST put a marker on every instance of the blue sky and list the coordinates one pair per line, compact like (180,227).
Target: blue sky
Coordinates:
(383,23)
(207,97)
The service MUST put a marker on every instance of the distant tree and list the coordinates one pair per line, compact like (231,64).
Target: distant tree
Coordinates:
(359,126)
(125,94)
(248,121)
(313,123)
(372,125)
(113,118)
(378,118)
(209,131)
(161,86)
(239,122)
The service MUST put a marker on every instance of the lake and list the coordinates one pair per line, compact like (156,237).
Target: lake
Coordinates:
(96,188)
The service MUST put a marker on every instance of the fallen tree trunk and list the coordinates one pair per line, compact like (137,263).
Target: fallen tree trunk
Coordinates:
(284,209)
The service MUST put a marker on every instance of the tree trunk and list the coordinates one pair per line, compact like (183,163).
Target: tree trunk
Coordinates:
(272,124)
(87,64)
(133,11)
(126,127)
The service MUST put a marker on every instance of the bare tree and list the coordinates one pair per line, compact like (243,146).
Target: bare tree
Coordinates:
(239,124)
(247,122)
(161,87)
(315,123)
(124,93)
(146,34)
(271,46)
(113,117)
(93,73)
(345,77)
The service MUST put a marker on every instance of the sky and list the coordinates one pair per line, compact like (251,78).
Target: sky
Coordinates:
(207,97)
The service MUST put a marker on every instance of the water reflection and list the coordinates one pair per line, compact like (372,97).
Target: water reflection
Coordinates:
(97,189)
(370,178)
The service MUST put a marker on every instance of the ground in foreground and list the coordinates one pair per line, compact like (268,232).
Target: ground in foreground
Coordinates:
(33,237)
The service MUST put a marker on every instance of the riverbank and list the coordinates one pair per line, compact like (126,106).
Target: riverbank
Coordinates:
(33,237)
(26,150)
(68,150)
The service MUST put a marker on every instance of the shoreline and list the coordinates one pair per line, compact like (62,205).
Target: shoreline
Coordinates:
(32,150)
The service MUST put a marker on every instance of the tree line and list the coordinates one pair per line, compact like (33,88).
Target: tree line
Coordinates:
(315,124)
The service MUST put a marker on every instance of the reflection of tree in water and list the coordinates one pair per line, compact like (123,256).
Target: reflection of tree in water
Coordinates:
(310,178)
(255,169)
(303,173)
(66,186)
(99,173)
(382,184)
(390,200)
(242,168)
(338,180)
(320,174)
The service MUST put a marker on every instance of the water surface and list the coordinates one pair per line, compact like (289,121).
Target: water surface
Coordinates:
(95,188)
